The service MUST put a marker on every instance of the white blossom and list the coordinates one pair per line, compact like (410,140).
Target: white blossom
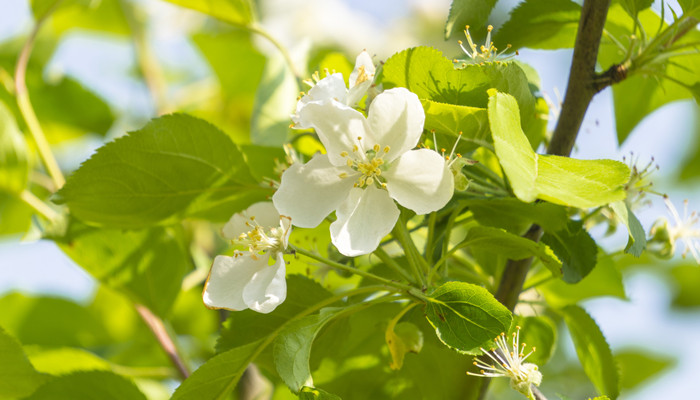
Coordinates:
(370,162)
(508,362)
(254,278)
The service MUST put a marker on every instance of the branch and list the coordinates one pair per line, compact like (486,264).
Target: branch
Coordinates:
(156,326)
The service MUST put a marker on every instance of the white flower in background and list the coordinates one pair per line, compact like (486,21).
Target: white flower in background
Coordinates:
(369,164)
(254,278)
(332,87)
(508,362)
(664,237)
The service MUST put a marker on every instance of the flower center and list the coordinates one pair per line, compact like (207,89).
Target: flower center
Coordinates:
(259,240)
(369,163)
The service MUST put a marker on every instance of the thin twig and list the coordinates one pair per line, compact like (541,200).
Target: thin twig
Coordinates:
(25,105)
(156,326)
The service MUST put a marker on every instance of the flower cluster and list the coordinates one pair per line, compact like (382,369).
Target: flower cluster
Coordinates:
(254,278)
(370,162)
(664,236)
(508,362)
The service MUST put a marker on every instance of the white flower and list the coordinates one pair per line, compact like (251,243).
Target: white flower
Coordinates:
(248,279)
(332,87)
(664,237)
(369,162)
(508,362)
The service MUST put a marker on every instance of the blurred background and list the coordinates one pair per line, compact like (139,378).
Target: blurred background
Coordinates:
(212,71)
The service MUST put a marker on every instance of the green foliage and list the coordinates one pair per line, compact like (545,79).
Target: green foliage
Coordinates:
(690,7)
(604,280)
(639,367)
(468,12)
(593,351)
(14,160)
(466,316)
(561,180)
(175,166)
(275,100)
(540,24)
(633,7)
(65,360)
(686,280)
(88,385)
(18,378)
(515,216)
(147,265)
(236,12)
(403,338)
(309,393)
(576,250)
(637,241)
(431,76)
(15,215)
(292,348)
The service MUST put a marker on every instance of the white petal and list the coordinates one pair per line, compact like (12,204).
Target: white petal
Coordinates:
(309,192)
(227,279)
(338,127)
(330,87)
(265,214)
(363,220)
(268,287)
(420,180)
(361,78)
(396,118)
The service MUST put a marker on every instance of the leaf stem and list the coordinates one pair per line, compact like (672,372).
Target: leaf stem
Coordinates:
(155,324)
(402,287)
(258,29)
(391,263)
(415,260)
(25,105)
(37,205)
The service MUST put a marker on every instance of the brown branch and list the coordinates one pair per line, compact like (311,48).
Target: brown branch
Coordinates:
(156,326)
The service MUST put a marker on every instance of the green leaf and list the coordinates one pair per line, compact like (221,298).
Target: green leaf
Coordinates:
(309,393)
(638,368)
(686,280)
(467,12)
(576,250)
(15,215)
(14,161)
(515,216)
(274,103)
(593,351)
(175,166)
(560,180)
(51,321)
(637,241)
(217,377)
(514,247)
(466,316)
(402,338)
(690,7)
(103,16)
(540,24)
(237,12)
(538,332)
(248,326)
(604,280)
(89,385)
(292,348)
(431,76)
(65,360)
(18,378)
(147,265)
(633,7)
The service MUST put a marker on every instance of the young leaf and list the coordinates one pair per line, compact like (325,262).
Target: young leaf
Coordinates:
(237,12)
(540,24)
(18,378)
(292,348)
(447,120)
(633,7)
(514,247)
(402,338)
(88,385)
(560,180)
(14,163)
(539,333)
(467,12)
(638,368)
(274,102)
(686,281)
(65,360)
(466,316)
(515,216)
(576,250)
(593,351)
(309,393)
(147,265)
(637,241)
(176,165)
